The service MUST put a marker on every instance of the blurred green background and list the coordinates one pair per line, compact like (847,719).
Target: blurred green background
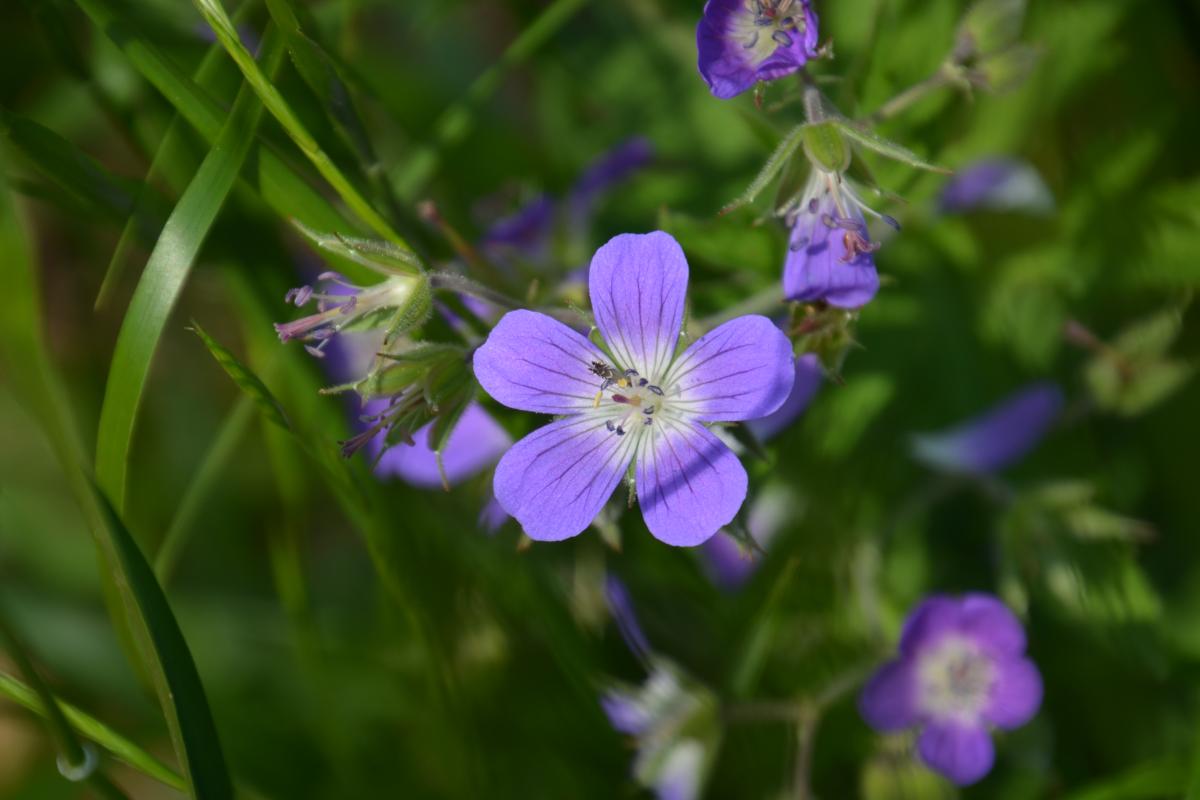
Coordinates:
(410,655)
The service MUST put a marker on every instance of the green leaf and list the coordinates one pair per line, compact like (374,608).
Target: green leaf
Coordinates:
(172,669)
(873,141)
(379,256)
(779,159)
(223,27)
(825,147)
(91,728)
(246,380)
(163,279)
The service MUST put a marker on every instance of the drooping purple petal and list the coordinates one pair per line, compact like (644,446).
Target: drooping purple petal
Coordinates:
(742,369)
(637,284)
(606,171)
(997,184)
(476,443)
(625,713)
(997,438)
(991,625)
(689,484)
(963,753)
(623,614)
(829,257)
(534,363)
(889,700)
(809,375)
(729,563)
(1016,693)
(739,46)
(556,479)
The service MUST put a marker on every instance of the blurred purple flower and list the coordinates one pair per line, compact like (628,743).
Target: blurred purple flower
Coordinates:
(998,184)
(997,438)
(741,42)
(611,168)
(961,669)
(623,614)
(727,561)
(340,305)
(809,375)
(527,231)
(829,252)
(646,401)
(476,443)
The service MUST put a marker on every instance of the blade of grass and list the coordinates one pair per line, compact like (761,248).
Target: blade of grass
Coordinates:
(94,730)
(163,651)
(162,281)
(455,122)
(223,27)
(279,184)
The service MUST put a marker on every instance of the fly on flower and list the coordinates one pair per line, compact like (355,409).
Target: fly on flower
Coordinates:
(741,42)
(640,403)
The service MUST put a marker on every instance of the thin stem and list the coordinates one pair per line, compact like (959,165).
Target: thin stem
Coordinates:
(807,719)
(752,711)
(909,96)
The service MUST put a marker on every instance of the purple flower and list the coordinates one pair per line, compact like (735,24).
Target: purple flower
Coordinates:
(605,172)
(475,444)
(998,184)
(1000,436)
(961,670)
(526,232)
(636,403)
(809,375)
(623,614)
(829,252)
(728,562)
(741,42)
(343,305)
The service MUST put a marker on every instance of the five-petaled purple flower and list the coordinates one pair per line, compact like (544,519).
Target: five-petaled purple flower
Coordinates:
(961,669)
(741,42)
(998,437)
(829,251)
(638,403)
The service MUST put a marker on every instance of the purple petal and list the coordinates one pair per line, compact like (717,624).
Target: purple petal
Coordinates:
(492,516)
(963,753)
(476,443)
(637,284)
(625,713)
(991,624)
(689,483)
(820,266)
(623,614)
(808,379)
(735,53)
(534,363)
(1016,693)
(730,565)
(556,479)
(933,618)
(608,170)
(889,700)
(742,369)
(998,184)
(997,438)
(525,231)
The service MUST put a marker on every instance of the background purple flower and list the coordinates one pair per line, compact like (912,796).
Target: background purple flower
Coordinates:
(642,401)
(809,375)
(741,42)
(476,443)
(623,615)
(961,669)
(997,184)
(727,561)
(1000,436)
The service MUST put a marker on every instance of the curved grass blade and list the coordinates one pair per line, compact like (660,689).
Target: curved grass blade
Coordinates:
(93,729)
(162,281)
(223,27)
(246,380)
(161,646)
(280,186)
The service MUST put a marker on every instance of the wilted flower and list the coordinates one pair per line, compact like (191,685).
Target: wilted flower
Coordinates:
(673,718)
(998,437)
(997,184)
(829,252)
(961,670)
(636,403)
(741,42)
(343,306)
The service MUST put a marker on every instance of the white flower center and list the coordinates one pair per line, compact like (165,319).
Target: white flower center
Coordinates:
(954,679)
(630,400)
(766,25)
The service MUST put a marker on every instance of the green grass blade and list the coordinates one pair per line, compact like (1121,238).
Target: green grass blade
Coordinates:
(280,186)
(161,646)
(163,279)
(246,380)
(223,27)
(96,731)
(455,122)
